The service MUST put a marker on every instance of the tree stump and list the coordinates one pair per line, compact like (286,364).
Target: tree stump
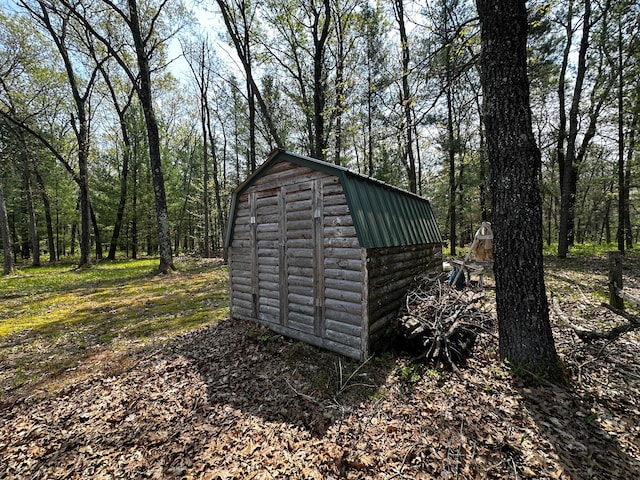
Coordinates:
(615,280)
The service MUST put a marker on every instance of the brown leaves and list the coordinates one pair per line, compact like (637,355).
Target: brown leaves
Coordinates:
(234,401)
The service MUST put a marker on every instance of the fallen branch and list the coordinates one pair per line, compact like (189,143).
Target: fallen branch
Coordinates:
(590,335)
(629,298)
(438,324)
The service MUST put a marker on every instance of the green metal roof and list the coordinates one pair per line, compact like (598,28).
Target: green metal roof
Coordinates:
(383,216)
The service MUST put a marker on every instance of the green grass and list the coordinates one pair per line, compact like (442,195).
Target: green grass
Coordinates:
(55,319)
(591,250)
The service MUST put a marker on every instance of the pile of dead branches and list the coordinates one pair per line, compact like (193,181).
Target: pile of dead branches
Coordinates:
(439,324)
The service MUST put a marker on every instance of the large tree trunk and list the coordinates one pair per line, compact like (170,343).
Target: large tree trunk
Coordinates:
(216,181)
(515,163)
(7,247)
(85,204)
(251,96)
(627,181)
(146,100)
(203,83)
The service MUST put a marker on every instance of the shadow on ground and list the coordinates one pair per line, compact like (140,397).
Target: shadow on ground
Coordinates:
(281,379)
(568,419)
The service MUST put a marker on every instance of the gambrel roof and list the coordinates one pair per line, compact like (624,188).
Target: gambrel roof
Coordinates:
(383,216)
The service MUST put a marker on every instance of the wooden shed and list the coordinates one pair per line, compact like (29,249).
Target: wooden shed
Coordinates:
(325,255)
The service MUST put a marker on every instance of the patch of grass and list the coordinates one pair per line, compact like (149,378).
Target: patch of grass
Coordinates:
(411,373)
(590,250)
(260,333)
(54,318)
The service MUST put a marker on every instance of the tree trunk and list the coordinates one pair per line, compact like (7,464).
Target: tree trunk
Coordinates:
(51,245)
(615,280)
(203,83)
(515,163)
(74,229)
(124,174)
(627,181)
(569,173)
(339,106)
(117,227)
(7,248)
(320,36)
(146,100)
(28,199)
(85,205)
(96,233)
(369,134)
(483,169)
(406,99)
(216,182)
(452,175)
(134,211)
(251,96)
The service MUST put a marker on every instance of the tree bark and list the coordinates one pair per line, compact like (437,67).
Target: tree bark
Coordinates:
(146,100)
(406,98)
(451,154)
(320,30)
(569,173)
(51,245)
(28,200)
(217,190)
(615,280)
(7,247)
(514,158)
(96,233)
(627,180)
(203,84)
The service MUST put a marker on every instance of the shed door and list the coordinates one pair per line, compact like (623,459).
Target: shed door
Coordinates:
(301,258)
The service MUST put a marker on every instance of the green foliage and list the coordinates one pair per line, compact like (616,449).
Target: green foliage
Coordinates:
(414,372)
(590,250)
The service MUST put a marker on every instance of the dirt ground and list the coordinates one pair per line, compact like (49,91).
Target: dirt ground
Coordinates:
(235,401)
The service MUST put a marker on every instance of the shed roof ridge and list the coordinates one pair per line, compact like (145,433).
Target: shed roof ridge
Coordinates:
(403,217)
(275,152)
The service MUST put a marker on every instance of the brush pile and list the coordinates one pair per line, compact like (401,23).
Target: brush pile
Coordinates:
(439,324)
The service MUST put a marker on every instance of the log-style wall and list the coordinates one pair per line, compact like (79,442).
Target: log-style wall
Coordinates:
(390,272)
(296,264)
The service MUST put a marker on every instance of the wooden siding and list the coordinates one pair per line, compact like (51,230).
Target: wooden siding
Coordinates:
(295,262)
(390,272)
(297,267)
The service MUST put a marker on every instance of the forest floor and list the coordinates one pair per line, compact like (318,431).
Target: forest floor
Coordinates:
(212,398)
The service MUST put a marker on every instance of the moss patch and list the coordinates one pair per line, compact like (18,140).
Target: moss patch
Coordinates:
(57,320)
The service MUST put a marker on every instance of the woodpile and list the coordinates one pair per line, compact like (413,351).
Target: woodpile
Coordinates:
(439,324)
